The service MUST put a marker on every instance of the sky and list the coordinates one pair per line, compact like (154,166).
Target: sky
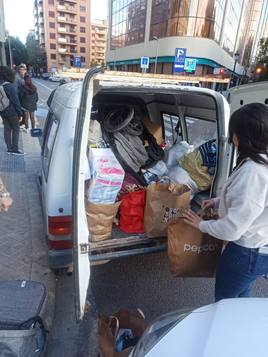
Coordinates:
(19,15)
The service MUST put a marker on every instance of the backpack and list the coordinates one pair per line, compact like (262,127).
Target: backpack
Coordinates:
(4,100)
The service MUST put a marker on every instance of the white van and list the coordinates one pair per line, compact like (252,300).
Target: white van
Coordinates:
(174,112)
(198,114)
(250,93)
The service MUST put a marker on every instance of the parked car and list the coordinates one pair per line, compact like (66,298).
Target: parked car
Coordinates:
(171,111)
(232,327)
(45,76)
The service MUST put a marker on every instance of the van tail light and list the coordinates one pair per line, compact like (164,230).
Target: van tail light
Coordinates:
(60,225)
(60,244)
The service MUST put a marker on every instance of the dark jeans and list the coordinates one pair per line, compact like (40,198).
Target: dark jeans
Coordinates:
(11,133)
(238,268)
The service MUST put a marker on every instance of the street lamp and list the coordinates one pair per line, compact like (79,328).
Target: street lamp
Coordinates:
(236,55)
(155,38)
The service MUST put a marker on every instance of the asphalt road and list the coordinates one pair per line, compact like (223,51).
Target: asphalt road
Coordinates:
(138,282)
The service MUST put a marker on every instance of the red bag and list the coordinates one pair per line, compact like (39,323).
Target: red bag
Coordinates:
(131,213)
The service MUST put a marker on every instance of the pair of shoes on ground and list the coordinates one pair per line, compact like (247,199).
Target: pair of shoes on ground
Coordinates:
(15,152)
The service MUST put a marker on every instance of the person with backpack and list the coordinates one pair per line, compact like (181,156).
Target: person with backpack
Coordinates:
(28,98)
(10,110)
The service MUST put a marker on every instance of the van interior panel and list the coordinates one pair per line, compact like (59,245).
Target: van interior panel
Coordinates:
(151,104)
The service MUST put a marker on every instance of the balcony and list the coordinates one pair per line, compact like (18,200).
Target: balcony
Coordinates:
(62,29)
(66,31)
(66,20)
(62,50)
(67,9)
(62,40)
(71,1)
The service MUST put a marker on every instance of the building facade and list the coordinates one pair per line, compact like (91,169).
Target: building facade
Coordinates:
(217,33)
(2,35)
(98,42)
(62,27)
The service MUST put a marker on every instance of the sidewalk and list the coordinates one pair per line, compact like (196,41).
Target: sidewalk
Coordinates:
(23,253)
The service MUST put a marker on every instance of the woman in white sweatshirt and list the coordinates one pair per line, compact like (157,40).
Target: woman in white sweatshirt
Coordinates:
(243,207)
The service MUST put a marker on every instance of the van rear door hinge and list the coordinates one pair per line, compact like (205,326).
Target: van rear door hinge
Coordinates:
(84,248)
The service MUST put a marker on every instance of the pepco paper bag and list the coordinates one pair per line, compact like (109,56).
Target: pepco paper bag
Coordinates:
(191,253)
(163,203)
(100,220)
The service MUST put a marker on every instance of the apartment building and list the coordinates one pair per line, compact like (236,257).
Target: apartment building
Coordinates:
(62,27)
(2,35)
(98,42)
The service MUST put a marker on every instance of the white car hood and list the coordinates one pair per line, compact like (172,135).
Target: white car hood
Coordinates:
(229,328)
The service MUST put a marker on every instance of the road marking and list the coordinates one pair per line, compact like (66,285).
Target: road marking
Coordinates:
(43,85)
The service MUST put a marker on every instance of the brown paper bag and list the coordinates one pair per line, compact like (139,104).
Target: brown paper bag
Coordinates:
(191,253)
(163,203)
(100,220)
(108,328)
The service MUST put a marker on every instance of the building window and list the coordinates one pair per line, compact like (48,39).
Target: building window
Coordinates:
(82,29)
(83,59)
(82,39)
(82,19)
(82,49)
(128,22)
(53,56)
(52,25)
(51,2)
(52,36)
(52,46)
(189,18)
(82,8)
(51,14)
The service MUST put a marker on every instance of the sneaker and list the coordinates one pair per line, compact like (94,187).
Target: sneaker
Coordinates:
(19,153)
(9,152)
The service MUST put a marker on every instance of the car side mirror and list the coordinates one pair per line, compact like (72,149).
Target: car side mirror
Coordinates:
(36,133)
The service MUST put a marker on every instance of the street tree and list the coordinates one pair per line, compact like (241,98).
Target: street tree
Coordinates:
(36,54)
(262,60)
(18,51)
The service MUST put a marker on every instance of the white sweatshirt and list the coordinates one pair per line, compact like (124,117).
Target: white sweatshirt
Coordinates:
(243,208)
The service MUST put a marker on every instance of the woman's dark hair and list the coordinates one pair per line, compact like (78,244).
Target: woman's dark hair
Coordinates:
(250,124)
(6,74)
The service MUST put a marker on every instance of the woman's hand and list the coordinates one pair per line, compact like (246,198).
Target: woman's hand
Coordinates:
(5,203)
(192,218)
(206,204)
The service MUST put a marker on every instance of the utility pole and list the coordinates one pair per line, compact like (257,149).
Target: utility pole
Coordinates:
(156,54)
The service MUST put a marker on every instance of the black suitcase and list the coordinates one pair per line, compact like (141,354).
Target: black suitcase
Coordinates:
(22,333)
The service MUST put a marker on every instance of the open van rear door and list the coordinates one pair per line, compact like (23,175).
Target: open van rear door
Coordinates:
(80,229)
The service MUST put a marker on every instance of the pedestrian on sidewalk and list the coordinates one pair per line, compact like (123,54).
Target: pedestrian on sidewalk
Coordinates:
(12,112)
(28,99)
(5,199)
(243,207)
(20,75)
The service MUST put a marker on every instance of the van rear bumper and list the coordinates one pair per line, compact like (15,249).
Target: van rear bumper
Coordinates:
(58,259)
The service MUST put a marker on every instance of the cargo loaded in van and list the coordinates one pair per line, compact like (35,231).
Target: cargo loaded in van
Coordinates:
(168,119)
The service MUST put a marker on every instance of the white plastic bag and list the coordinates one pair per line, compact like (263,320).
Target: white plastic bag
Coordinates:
(178,175)
(176,152)
(95,133)
(107,176)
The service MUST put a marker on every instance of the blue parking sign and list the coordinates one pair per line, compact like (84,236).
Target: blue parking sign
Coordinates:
(77,61)
(179,59)
(145,62)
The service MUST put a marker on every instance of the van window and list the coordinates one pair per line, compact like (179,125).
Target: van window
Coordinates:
(49,139)
(200,130)
(172,128)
